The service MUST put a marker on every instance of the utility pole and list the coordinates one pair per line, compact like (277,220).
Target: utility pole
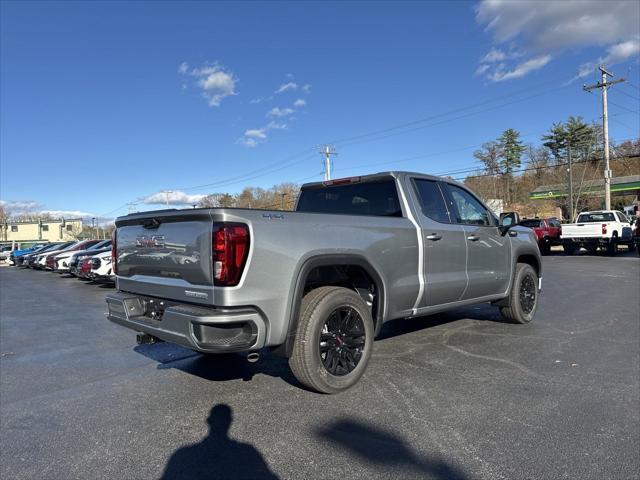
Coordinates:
(570,183)
(166,193)
(327,151)
(282,195)
(605,128)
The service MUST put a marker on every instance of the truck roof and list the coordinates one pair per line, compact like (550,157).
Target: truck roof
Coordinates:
(375,176)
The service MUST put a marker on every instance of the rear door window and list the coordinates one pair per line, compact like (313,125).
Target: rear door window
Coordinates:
(377,198)
(623,218)
(432,200)
(469,210)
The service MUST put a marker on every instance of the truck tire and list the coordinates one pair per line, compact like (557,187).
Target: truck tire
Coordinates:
(612,246)
(523,299)
(569,248)
(544,246)
(334,340)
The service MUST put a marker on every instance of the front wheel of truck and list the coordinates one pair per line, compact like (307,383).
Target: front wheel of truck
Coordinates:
(334,339)
(523,299)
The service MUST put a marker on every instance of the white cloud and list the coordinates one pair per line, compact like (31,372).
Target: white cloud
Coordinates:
(276,126)
(215,81)
(67,213)
(540,29)
(18,207)
(519,70)
(615,54)
(256,133)
(494,55)
(279,112)
(285,87)
(482,68)
(255,136)
(175,197)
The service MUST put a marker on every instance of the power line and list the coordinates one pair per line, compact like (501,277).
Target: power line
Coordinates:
(267,169)
(627,94)
(459,117)
(444,114)
(633,85)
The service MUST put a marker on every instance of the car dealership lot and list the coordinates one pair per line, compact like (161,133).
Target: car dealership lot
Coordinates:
(452,395)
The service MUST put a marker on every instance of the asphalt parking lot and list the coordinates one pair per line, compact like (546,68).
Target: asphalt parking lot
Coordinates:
(456,395)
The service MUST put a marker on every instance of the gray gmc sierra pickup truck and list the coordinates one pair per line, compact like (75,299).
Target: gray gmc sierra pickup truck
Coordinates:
(316,284)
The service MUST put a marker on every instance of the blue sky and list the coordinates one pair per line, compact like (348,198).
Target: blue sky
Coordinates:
(108,103)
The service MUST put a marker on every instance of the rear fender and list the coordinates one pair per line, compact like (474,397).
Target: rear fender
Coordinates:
(298,291)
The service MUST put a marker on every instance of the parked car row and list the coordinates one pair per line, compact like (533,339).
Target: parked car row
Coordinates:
(88,259)
(602,229)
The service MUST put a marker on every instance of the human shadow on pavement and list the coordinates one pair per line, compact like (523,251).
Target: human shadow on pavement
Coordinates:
(380,448)
(217,456)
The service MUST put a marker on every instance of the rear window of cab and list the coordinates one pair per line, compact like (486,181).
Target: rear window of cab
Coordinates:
(375,198)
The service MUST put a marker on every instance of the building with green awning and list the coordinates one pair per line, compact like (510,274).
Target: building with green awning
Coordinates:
(629,185)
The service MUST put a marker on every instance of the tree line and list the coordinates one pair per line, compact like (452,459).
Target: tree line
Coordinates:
(510,169)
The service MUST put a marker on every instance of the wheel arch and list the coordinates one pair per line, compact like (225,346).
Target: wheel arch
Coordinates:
(301,278)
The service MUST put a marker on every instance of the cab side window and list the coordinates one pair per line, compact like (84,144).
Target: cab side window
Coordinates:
(469,210)
(432,200)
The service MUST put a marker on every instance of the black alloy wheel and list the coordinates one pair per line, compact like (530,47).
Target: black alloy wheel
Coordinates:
(342,341)
(528,292)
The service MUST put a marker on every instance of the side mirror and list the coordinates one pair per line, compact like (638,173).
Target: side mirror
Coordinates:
(508,220)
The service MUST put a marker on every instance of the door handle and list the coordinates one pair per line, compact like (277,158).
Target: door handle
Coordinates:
(434,237)
(473,238)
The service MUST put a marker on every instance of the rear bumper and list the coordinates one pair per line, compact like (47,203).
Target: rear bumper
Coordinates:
(587,240)
(208,330)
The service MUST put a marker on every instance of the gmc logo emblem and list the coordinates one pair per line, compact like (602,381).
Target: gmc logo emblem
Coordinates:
(153,241)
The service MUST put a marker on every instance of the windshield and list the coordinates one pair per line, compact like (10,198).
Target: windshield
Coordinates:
(50,248)
(67,246)
(102,244)
(596,217)
(533,223)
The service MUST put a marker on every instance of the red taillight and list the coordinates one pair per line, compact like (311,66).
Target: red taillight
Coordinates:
(114,253)
(230,250)
(604,228)
(341,181)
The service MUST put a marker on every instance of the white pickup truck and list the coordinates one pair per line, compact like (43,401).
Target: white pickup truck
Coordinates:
(604,228)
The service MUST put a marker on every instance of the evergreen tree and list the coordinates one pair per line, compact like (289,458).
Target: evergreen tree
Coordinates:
(510,156)
(511,151)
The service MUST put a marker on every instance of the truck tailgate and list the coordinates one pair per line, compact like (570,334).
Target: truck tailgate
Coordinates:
(582,230)
(167,255)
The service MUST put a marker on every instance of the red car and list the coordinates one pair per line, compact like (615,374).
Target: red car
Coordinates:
(50,261)
(547,230)
(84,267)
